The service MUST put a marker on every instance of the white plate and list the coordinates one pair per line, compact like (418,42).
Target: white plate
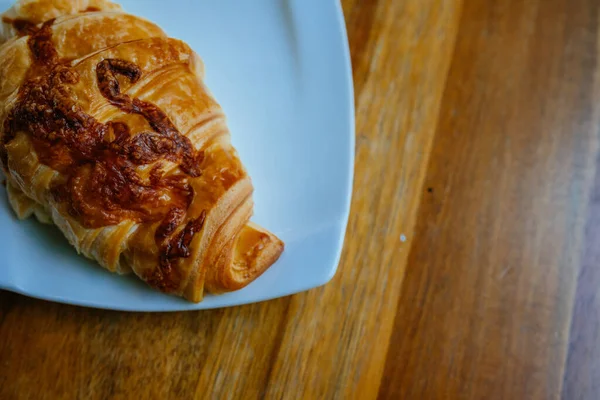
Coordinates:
(281,71)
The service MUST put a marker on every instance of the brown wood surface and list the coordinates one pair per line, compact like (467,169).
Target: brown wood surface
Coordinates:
(477,142)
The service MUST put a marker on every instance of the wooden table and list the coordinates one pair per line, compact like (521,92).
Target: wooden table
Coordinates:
(472,261)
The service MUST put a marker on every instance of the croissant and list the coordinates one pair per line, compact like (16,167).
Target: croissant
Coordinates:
(108,131)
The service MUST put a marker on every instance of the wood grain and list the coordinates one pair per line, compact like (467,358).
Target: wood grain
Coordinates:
(475,203)
(487,300)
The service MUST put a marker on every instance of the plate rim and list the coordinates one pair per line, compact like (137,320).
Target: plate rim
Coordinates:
(342,223)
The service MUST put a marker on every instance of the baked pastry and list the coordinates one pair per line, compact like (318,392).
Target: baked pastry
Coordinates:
(108,131)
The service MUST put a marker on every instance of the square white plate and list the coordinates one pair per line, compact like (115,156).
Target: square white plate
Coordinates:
(281,70)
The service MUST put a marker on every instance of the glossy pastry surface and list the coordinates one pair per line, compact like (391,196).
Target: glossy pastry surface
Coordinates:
(108,131)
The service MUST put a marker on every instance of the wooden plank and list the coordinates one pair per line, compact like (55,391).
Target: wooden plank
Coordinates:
(487,300)
(582,372)
(336,340)
(582,375)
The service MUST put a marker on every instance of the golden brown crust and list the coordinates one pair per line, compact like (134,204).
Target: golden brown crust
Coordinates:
(113,136)
(246,257)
